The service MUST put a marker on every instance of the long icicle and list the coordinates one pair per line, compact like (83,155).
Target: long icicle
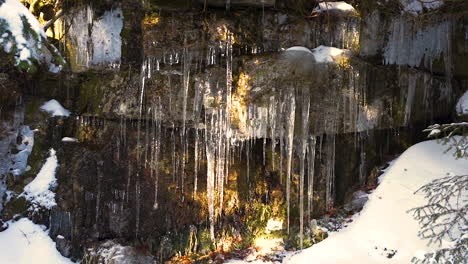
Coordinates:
(304,142)
(289,148)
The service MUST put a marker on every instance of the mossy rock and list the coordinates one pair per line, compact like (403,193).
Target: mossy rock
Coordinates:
(153,5)
(16,206)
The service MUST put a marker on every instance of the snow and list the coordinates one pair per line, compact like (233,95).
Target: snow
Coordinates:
(54,108)
(462,105)
(417,6)
(21,32)
(25,242)
(12,12)
(299,49)
(324,54)
(384,226)
(69,139)
(384,231)
(20,160)
(38,191)
(106,37)
(331,6)
(97,40)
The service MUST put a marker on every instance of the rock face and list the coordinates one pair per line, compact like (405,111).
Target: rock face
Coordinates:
(195,127)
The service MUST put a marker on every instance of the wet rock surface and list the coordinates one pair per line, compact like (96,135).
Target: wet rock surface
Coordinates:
(196,126)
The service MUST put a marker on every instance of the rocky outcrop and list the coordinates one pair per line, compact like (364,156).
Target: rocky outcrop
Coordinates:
(194,127)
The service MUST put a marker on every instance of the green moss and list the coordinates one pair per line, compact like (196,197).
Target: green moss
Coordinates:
(91,92)
(153,5)
(16,206)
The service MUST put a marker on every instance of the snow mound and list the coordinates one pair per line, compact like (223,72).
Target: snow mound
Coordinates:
(462,105)
(385,232)
(334,6)
(25,242)
(69,139)
(324,54)
(417,6)
(54,108)
(299,49)
(38,191)
(22,35)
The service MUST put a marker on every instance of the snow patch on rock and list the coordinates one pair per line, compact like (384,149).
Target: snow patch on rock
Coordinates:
(21,33)
(324,54)
(334,6)
(69,139)
(417,6)
(462,105)
(54,108)
(39,190)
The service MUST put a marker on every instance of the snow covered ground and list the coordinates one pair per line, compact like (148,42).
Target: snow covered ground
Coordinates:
(25,243)
(384,231)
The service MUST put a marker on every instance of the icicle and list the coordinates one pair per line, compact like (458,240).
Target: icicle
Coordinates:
(410,97)
(210,182)
(289,149)
(272,118)
(311,170)
(330,172)
(157,149)
(185,83)
(304,142)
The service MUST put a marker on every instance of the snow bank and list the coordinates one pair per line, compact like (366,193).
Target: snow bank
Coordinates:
(38,191)
(325,54)
(384,232)
(334,6)
(462,105)
(54,108)
(25,242)
(417,6)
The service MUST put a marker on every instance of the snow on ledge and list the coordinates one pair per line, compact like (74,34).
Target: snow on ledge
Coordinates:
(69,139)
(324,54)
(321,54)
(417,6)
(462,105)
(38,191)
(334,6)
(299,49)
(25,242)
(54,108)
